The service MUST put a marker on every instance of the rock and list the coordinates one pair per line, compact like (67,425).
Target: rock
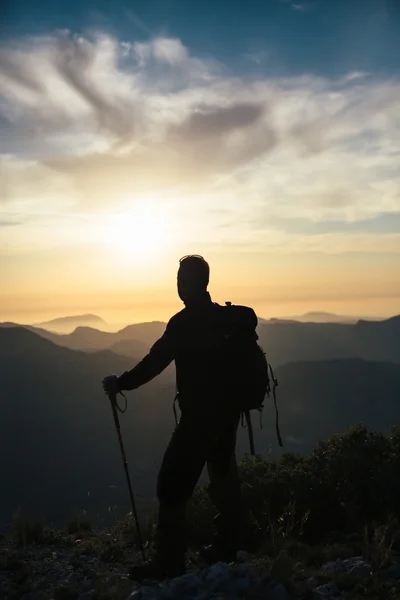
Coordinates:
(329,590)
(42,585)
(75,561)
(335,566)
(74,579)
(240,585)
(278,593)
(87,595)
(166,593)
(218,571)
(361,570)
(384,575)
(396,557)
(353,559)
(355,566)
(22,574)
(242,556)
(87,584)
(262,587)
(125,583)
(92,574)
(5,588)
(112,581)
(143,593)
(65,592)
(13,563)
(190,580)
(394,571)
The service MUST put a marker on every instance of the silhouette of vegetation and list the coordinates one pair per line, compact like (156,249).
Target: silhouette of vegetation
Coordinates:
(348,481)
(339,502)
(78,524)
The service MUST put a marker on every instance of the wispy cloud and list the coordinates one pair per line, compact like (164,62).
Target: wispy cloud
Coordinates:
(106,120)
(9,222)
(299,6)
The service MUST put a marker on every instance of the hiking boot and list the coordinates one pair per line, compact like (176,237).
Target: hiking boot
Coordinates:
(154,570)
(212,554)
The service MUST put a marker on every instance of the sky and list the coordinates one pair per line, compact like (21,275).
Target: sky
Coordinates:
(264,135)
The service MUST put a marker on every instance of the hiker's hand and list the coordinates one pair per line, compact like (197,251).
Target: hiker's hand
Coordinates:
(110,385)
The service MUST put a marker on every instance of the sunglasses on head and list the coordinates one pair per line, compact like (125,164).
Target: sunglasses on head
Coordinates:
(190,256)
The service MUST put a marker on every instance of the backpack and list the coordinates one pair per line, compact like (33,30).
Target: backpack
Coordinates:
(245,377)
(249,378)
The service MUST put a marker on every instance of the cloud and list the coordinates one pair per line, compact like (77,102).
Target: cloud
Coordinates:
(163,50)
(27,186)
(257,57)
(301,7)
(92,121)
(8,223)
(219,121)
(66,83)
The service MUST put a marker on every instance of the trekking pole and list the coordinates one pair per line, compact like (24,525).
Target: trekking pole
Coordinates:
(115,407)
(251,434)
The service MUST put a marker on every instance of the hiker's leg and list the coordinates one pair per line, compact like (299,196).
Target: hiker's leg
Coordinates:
(224,489)
(181,468)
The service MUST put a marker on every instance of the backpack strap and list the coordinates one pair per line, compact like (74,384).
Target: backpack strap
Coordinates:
(274,386)
(174,407)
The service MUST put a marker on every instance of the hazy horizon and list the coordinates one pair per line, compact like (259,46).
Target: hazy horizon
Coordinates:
(116,321)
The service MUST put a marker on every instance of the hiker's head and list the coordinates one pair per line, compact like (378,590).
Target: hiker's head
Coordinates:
(193,277)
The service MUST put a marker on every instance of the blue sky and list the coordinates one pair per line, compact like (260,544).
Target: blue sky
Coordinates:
(135,132)
(317,36)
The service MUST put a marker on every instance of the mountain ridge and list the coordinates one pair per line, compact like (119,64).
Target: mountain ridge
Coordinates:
(284,341)
(69,323)
(328,317)
(52,402)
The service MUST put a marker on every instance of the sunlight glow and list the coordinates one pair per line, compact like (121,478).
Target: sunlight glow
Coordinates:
(138,233)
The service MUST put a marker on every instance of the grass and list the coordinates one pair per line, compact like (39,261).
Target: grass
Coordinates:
(78,524)
(378,542)
(284,555)
(302,513)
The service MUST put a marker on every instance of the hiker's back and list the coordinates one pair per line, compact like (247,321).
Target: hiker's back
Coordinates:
(213,346)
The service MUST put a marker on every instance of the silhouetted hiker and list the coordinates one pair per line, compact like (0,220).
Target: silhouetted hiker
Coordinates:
(206,432)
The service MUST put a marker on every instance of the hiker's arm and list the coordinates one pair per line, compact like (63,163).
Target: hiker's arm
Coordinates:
(158,359)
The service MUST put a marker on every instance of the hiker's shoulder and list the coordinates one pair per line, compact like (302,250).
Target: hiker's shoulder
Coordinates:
(177,320)
(243,314)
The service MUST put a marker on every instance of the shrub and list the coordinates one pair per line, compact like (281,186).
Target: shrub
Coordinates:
(25,531)
(348,480)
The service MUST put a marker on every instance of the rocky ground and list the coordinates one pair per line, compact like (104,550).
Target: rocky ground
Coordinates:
(95,567)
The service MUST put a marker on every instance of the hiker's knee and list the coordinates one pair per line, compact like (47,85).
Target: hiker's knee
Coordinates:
(224,486)
(170,491)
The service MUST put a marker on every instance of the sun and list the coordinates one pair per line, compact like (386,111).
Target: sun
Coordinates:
(139,232)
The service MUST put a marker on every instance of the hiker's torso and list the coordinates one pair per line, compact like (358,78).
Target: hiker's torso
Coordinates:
(201,365)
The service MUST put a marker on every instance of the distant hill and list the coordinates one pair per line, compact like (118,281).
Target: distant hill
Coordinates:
(57,435)
(143,335)
(318,399)
(283,340)
(68,324)
(289,341)
(326,317)
(58,446)
(132,348)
